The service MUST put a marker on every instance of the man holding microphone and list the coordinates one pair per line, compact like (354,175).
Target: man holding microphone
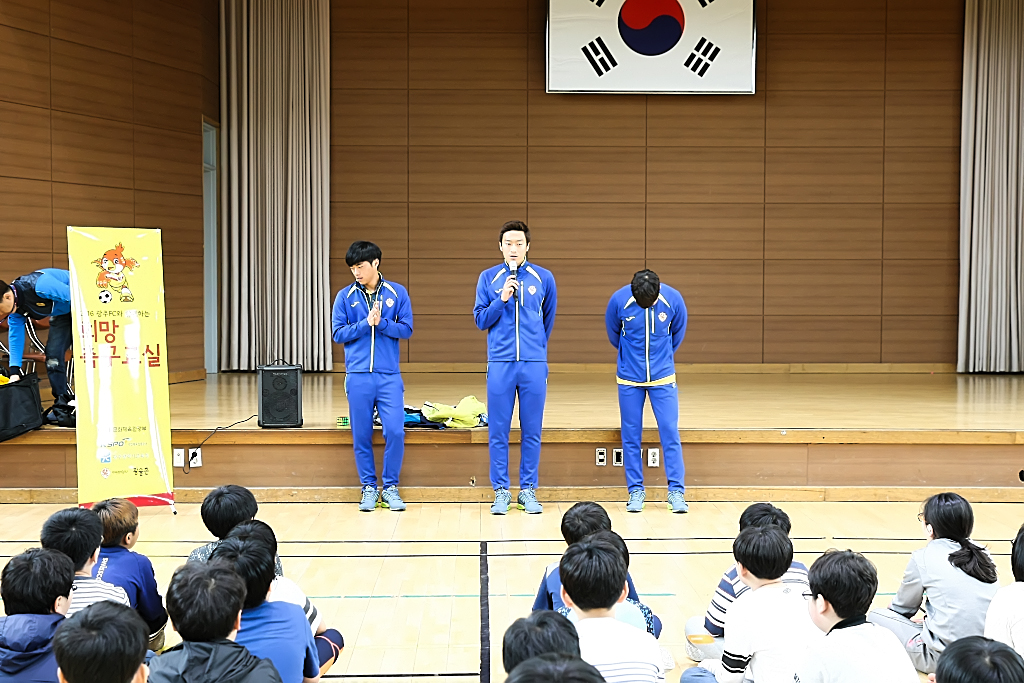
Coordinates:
(646,322)
(515,303)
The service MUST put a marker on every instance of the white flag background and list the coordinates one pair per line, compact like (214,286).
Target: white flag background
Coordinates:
(651,46)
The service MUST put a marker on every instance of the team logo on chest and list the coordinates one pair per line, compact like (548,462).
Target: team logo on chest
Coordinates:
(391,302)
(532,289)
(663,316)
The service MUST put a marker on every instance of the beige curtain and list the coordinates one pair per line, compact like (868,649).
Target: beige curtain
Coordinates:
(275,153)
(991,334)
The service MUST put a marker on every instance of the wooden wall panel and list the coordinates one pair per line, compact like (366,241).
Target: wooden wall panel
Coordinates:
(26,208)
(580,339)
(88,205)
(168,161)
(87,80)
(26,15)
(169,34)
(449,338)
(105,25)
(24,67)
(90,151)
(166,97)
(793,220)
(24,141)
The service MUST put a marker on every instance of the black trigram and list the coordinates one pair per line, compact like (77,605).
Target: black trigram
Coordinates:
(700,59)
(599,56)
(601,2)
(703,3)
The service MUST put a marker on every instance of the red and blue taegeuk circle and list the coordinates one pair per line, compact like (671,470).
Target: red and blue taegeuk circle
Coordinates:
(651,27)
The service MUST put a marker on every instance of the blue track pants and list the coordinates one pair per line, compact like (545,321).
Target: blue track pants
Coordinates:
(387,392)
(504,380)
(665,402)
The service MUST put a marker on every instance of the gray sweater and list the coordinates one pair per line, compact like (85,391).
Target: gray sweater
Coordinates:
(955,603)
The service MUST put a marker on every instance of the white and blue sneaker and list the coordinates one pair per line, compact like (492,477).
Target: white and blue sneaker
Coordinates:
(502,502)
(676,502)
(390,499)
(369,500)
(636,501)
(528,502)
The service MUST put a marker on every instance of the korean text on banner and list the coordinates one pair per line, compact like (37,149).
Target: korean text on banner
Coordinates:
(120,346)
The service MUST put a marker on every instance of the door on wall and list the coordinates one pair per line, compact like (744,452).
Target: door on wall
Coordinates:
(210,284)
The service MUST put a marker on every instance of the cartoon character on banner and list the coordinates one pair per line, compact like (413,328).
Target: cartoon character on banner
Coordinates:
(112,278)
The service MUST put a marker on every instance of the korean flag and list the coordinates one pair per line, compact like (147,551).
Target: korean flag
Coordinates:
(651,46)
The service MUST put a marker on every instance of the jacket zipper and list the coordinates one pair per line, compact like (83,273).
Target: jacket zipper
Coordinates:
(647,342)
(519,302)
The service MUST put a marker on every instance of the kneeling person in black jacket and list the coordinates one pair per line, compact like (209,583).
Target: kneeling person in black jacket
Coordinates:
(204,602)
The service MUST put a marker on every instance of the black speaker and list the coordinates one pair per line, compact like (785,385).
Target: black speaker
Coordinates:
(280,390)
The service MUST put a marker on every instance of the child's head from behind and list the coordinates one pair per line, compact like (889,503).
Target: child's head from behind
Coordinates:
(257,530)
(765,514)
(765,552)
(76,532)
(555,667)
(1017,555)
(104,643)
(843,584)
(593,574)
(120,519)
(976,659)
(204,600)
(950,516)
(541,632)
(38,581)
(583,519)
(227,506)
(253,561)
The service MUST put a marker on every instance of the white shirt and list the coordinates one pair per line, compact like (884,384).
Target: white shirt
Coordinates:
(622,653)
(286,590)
(87,591)
(767,634)
(857,653)
(1005,619)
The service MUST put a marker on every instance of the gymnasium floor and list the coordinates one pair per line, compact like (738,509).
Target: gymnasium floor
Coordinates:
(405,589)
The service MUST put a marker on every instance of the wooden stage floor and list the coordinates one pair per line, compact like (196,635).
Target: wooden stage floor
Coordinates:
(870,402)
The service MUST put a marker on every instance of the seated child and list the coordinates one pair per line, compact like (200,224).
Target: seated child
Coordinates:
(132,571)
(629,611)
(581,520)
(593,574)
(543,631)
(843,584)
(976,659)
(705,635)
(952,578)
(222,509)
(77,533)
(555,667)
(1005,619)
(36,589)
(769,628)
(205,603)
(104,643)
(277,631)
(329,642)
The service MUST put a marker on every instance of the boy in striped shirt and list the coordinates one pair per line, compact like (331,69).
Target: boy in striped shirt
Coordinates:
(705,635)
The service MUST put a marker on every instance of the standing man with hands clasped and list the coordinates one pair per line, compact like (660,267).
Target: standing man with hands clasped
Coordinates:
(646,321)
(515,304)
(369,318)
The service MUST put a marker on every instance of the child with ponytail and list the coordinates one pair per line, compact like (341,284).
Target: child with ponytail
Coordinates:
(952,579)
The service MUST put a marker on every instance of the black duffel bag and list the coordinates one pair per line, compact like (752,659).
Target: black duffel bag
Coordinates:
(20,408)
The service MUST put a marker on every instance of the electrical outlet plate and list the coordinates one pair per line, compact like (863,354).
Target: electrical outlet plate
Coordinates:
(653,457)
(195,457)
(601,455)
(617,457)
(178,459)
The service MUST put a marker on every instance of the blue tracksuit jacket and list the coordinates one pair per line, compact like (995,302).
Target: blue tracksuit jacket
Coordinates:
(647,338)
(517,329)
(53,285)
(372,349)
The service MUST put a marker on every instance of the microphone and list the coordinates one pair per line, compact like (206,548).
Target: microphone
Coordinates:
(513,269)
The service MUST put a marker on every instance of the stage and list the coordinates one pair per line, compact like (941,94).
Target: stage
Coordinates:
(795,431)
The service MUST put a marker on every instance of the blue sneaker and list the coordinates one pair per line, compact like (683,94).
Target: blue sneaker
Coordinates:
(528,502)
(636,501)
(676,502)
(369,500)
(390,499)
(502,502)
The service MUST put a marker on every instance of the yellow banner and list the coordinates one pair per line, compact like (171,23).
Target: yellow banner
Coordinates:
(120,345)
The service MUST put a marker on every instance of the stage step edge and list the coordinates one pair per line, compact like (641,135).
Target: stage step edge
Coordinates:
(467,494)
